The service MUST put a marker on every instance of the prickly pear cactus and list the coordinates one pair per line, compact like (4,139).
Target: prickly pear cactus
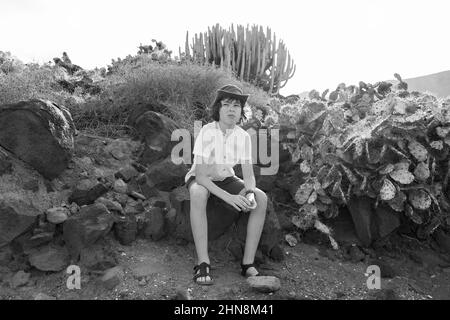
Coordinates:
(372,140)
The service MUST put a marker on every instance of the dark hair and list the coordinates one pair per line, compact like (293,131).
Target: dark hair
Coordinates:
(215,110)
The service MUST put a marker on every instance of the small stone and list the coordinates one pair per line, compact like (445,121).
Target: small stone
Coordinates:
(171,214)
(137,195)
(264,284)
(74,208)
(141,178)
(20,279)
(57,215)
(121,198)
(99,173)
(142,282)
(133,207)
(84,174)
(139,167)
(291,240)
(112,206)
(43,296)
(86,197)
(112,277)
(85,162)
(120,186)
(85,184)
(125,230)
(126,174)
(118,154)
(50,258)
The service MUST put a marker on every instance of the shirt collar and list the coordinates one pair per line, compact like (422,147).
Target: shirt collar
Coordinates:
(225,134)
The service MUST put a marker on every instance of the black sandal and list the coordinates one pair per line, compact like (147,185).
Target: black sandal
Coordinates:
(245,267)
(203,273)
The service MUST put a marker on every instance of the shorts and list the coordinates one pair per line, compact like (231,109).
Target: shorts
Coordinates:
(232,185)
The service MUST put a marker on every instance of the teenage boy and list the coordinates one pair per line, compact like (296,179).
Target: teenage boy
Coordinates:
(220,145)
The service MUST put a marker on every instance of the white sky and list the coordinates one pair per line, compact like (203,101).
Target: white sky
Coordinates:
(330,41)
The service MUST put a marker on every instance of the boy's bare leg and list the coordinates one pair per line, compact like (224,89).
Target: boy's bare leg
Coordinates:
(199,224)
(254,229)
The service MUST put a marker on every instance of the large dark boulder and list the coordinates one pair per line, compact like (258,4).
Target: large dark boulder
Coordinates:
(40,133)
(220,218)
(142,107)
(362,215)
(85,197)
(386,220)
(16,217)
(82,230)
(49,258)
(372,223)
(155,130)
(24,196)
(166,175)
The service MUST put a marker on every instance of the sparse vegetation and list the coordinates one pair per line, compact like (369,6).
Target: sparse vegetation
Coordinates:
(186,89)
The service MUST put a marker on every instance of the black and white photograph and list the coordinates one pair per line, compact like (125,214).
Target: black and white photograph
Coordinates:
(223,158)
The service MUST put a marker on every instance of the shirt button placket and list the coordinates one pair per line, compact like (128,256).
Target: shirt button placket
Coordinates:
(224,151)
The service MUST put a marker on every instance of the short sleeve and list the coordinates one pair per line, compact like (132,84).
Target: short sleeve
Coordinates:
(203,143)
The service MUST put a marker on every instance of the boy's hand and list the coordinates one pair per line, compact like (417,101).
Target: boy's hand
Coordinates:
(251,198)
(239,202)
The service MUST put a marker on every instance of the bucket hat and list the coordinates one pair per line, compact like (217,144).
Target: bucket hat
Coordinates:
(232,92)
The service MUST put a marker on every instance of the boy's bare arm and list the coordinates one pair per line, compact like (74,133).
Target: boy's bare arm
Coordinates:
(201,178)
(249,176)
(237,201)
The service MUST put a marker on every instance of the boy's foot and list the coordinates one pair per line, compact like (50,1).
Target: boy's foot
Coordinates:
(201,274)
(249,270)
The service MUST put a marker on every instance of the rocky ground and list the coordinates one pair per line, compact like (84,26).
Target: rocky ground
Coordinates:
(162,270)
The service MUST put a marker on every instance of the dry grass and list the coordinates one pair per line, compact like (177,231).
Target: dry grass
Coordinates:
(184,88)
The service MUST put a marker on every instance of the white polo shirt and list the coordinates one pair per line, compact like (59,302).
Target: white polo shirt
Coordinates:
(224,151)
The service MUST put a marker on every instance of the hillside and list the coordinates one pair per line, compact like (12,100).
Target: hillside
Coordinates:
(437,83)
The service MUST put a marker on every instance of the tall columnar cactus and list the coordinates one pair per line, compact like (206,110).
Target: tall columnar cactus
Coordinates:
(251,54)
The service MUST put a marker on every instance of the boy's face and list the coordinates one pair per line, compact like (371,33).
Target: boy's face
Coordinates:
(230,112)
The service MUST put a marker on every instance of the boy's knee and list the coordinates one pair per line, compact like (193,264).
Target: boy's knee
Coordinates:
(198,192)
(260,196)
